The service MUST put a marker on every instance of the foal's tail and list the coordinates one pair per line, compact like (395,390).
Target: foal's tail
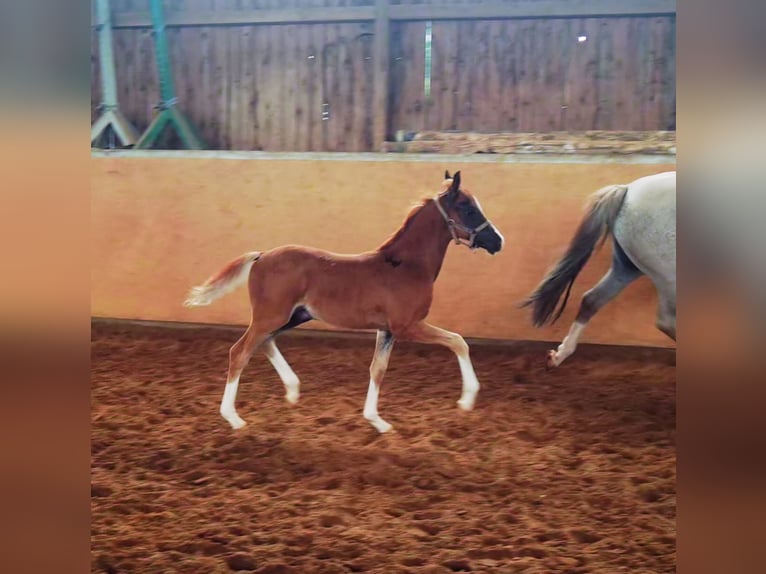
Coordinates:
(225,281)
(597,224)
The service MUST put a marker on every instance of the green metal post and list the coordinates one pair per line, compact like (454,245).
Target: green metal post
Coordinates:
(111,116)
(167,90)
(169,114)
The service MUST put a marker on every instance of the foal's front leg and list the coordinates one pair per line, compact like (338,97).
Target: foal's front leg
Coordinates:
(424,333)
(383,346)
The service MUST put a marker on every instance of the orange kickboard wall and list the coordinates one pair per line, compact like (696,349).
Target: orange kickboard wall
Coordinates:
(162,225)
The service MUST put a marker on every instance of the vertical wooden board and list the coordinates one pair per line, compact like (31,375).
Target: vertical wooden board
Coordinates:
(322,88)
(147,77)
(329,65)
(176,65)
(440,80)
(96,94)
(285,66)
(631,75)
(256,100)
(364,91)
(524,90)
(217,93)
(606,114)
(205,115)
(209,86)
(565,43)
(358,45)
(282,105)
(560,46)
(632,78)
(624,73)
(493,104)
(238,113)
(669,88)
(417,41)
(362,95)
(540,51)
(296,48)
(259,55)
(396,77)
(346,95)
(646,64)
(539,44)
(547,56)
(480,99)
(338,105)
(338,108)
(314,95)
(587,66)
(227,86)
(195,45)
(327,109)
(123,64)
(648,115)
(509,68)
(656,64)
(573,79)
(266,81)
(246,94)
(410,67)
(469,93)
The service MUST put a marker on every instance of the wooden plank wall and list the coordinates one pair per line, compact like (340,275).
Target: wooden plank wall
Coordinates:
(309,87)
(295,87)
(534,76)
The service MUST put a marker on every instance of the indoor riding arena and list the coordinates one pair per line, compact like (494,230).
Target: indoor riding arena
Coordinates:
(221,128)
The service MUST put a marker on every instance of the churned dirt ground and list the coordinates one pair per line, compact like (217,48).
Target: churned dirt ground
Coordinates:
(569,471)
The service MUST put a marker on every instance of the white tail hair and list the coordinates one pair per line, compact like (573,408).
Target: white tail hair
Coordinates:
(224,281)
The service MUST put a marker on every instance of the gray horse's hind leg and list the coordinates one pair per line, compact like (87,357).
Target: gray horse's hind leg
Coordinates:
(620,275)
(666,315)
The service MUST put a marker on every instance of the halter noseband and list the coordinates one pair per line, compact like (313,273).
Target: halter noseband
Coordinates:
(452,225)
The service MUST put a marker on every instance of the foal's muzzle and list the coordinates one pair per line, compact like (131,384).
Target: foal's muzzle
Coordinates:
(489,240)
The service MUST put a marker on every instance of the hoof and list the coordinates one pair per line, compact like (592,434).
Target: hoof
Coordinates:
(235,421)
(466,404)
(381,426)
(292,398)
(550,361)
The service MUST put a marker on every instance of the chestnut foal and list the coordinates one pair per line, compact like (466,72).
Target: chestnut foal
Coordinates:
(389,289)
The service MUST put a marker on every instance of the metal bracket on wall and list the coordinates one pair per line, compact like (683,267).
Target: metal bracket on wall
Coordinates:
(111,120)
(169,114)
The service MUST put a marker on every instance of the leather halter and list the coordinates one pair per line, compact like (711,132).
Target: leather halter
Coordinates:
(452,225)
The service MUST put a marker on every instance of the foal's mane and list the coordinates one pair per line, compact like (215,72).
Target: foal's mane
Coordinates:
(414,210)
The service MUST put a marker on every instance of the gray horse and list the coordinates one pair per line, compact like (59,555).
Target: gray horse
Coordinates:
(641,217)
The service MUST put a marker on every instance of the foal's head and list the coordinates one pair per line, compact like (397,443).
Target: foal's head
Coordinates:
(464,218)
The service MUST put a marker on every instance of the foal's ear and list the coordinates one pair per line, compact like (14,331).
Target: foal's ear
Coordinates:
(446,174)
(455,187)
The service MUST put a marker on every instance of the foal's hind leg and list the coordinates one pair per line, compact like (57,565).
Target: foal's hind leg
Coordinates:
(384,343)
(239,356)
(288,376)
(424,333)
(619,276)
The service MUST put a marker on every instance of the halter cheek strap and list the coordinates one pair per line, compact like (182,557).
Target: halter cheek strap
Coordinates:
(452,225)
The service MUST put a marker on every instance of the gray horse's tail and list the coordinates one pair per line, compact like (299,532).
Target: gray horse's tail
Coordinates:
(597,224)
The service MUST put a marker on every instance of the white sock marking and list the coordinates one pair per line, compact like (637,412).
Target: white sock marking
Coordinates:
(371,409)
(568,345)
(288,376)
(228,410)
(470,383)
